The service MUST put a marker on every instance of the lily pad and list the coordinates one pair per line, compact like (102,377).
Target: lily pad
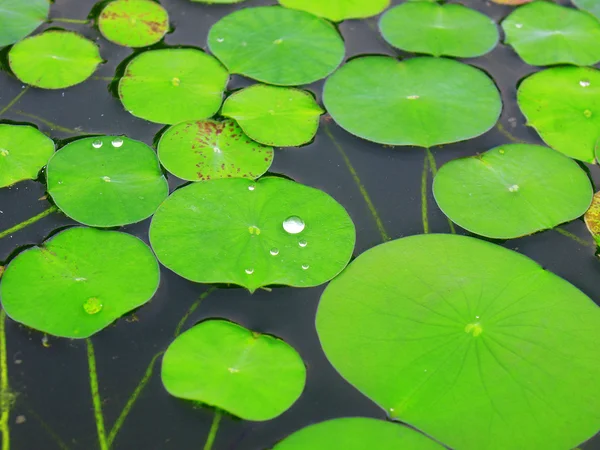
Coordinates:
(428,27)
(106,181)
(338,10)
(55,59)
(592,218)
(544,33)
(277,232)
(276,45)
(563,105)
(511,2)
(19,18)
(133,23)
(218,2)
(24,150)
(420,101)
(79,282)
(475,345)
(208,149)
(250,375)
(173,85)
(591,6)
(512,191)
(275,116)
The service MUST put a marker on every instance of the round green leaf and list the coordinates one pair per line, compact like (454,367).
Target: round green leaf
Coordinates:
(281,117)
(24,150)
(134,23)
(250,375)
(420,101)
(512,191)
(277,232)
(453,30)
(54,59)
(19,18)
(591,6)
(277,45)
(563,105)
(543,33)
(338,10)
(173,85)
(357,433)
(475,345)
(208,149)
(106,181)
(79,282)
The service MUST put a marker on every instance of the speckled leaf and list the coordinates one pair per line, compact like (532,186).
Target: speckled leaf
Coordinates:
(591,6)
(18,18)
(592,218)
(338,10)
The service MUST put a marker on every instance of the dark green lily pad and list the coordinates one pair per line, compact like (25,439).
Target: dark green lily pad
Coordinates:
(79,282)
(250,375)
(338,10)
(18,18)
(591,6)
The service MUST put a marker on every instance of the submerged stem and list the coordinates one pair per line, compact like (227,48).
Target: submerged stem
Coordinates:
(212,434)
(96,396)
(5,394)
(192,309)
(66,20)
(575,238)
(49,124)
(433,167)
(14,101)
(27,222)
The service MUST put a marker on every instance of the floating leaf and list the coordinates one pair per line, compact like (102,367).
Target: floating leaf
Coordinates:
(55,59)
(250,375)
(106,181)
(338,10)
(592,218)
(475,345)
(218,2)
(543,33)
(18,18)
(173,85)
(512,191)
(133,23)
(24,150)
(420,101)
(208,149)
(276,116)
(79,281)
(511,2)
(591,6)
(277,232)
(453,30)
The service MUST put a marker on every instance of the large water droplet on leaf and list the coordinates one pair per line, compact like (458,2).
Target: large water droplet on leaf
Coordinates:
(293,225)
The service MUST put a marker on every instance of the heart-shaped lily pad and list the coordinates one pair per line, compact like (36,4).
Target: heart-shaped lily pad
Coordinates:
(18,18)
(250,375)
(512,191)
(79,281)
(420,101)
(106,181)
(173,85)
(276,232)
(338,10)
(475,345)
(592,218)
(24,150)
(275,116)
(55,59)
(276,45)
(428,27)
(591,6)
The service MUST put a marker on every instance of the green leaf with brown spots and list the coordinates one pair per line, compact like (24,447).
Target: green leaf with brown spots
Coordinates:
(592,218)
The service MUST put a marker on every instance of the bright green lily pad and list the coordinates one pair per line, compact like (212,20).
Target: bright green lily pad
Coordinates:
(173,85)
(428,27)
(276,45)
(24,150)
(275,116)
(475,345)
(563,105)
(338,10)
(250,375)
(420,101)
(19,18)
(55,59)
(277,232)
(591,6)
(106,181)
(209,149)
(543,33)
(512,191)
(79,282)
(133,23)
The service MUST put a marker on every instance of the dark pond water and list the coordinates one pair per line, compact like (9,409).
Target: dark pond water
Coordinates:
(52,380)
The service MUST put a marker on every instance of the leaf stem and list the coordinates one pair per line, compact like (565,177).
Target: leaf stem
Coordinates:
(192,309)
(66,20)
(5,394)
(508,134)
(212,434)
(575,238)
(433,168)
(28,222)
(14,100)
(49,124)
(96,396)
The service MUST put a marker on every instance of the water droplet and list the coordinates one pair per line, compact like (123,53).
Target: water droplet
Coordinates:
(251,187)
(117,142)
(80,279)
(293,225)
(513,188)
(3,152)
(233,370)
(92,305)
(274,251)
(217,150)
(477,317)
(519,25)
(107,179)
(587,113)
(305,266)
(278,41)
(220,39)
(584,83)
(175,81)
(412,97)
(249,271)
(391,409)
(97,143)
(302,243)
(60,182)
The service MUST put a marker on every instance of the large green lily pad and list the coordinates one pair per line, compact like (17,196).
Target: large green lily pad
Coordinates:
(24,150)
(543,33)
(79,282)
(338,10)
(106,181)
(512,190)
(250,375)
(276,45)
(475,345)
(420,101)
(276,232)
(19,18)
(591,6)
(173,85)
(563,105)
(55,59)
(428,27)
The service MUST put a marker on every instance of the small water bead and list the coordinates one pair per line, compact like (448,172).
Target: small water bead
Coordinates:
(4,152)
(233,370)
(584,83)
(220,39)
(249,271)
(97,143)
(412,97)
(92,305)
(251,187)
(107,179)
(513,188)
(305,266)
(302,243)
(117,142)
(175,81)
(587,113)
(519,25)
(274,251)
(217,150)
(293,225)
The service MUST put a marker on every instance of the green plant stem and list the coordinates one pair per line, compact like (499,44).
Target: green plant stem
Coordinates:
(14,100)
(65,20)
(508,134)
(575,238)
(55,437)
(433,167)
(27,222)
(5,394)
(424,215)
(192,309)
(96,396)
(49,124)
(212,434)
